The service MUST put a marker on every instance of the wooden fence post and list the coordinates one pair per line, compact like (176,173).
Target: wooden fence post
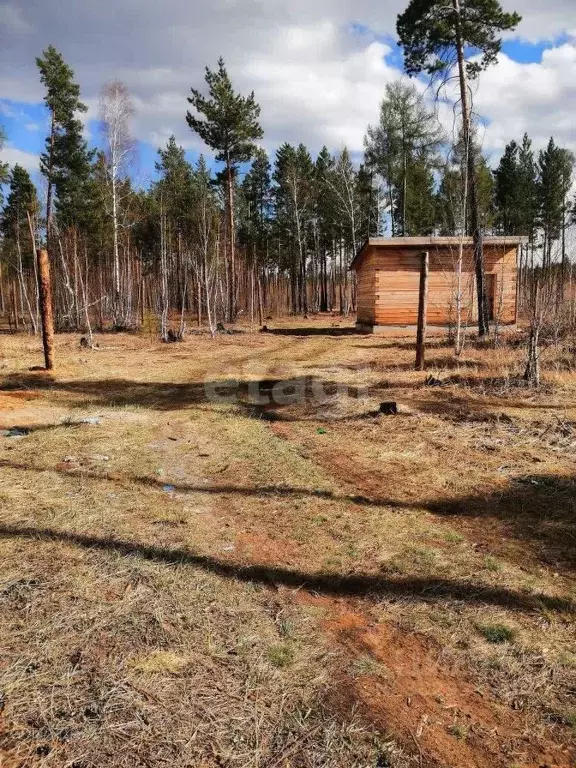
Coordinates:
(45,291)
(422,306)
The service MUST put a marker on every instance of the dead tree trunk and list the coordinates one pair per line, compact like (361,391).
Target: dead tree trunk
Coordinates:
(475,225)
(45,291)
(422,307)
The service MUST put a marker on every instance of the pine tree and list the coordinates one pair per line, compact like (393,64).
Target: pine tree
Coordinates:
(230,127)
(3,166)
(449,201)
(174,194)
(294,200)
(435,38)
(66,161)
(368,223)
(406,137)
(417,199)
(506,191)
(452,218)
(17,228)
(21,202)
(324,226)
(527,189)
(175,173)
(257,193)
(555,168)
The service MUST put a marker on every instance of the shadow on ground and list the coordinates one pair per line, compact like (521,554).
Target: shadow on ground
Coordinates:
(538,510)
(336,331)
(260,398)
(409,588)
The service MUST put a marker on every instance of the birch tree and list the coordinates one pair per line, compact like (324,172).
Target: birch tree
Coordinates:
(116,111)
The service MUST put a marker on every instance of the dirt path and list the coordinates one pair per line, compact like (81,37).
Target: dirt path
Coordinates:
(436,713)
(402,687)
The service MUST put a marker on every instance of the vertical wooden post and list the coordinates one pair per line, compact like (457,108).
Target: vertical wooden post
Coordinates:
(45,291)
(422,306)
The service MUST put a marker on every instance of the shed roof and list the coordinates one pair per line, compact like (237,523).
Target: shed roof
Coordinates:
(428,242)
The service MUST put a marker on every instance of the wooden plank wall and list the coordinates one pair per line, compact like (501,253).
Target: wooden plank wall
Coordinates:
(388,282)
(366,290)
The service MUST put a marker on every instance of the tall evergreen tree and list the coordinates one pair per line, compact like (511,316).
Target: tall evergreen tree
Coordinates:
(257,193)
(453,218)
(406,137)
(435,38)
(527,189)
(506,191)
(417,198)
(294,199)
(3,166)
(325,225)
(21,202)
(17,228)
(230,127)
(368,224)
(66,161)
(173,192)
(555,169)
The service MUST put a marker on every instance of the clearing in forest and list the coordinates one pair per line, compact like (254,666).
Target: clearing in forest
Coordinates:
(198,571)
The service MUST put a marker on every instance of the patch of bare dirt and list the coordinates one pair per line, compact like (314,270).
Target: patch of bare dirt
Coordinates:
(401,687)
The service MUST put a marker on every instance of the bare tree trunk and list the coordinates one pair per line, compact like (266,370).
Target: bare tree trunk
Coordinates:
(84,289)
(14,307)
(2,300)
(184,288)
(232,310)
(34,262)
(163,278)
(260,307)
(483,327)
(422,308)
(45,291)
(532,371)
(23,291)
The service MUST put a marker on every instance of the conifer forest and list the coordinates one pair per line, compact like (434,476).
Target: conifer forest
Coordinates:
(252,235)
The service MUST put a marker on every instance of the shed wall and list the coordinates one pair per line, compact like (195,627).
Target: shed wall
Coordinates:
(388,285)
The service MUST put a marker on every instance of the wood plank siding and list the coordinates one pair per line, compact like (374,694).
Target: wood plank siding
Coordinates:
(388,280)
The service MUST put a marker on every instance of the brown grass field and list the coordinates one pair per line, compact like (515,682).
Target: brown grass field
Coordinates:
(253,584)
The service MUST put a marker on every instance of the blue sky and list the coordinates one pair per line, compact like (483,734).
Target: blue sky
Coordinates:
(318,76)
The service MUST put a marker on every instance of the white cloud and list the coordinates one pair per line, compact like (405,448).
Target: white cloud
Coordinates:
(317,77)
(13,156)
(543,19)
(536,98)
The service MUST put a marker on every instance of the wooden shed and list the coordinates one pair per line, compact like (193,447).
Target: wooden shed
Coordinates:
(388,271)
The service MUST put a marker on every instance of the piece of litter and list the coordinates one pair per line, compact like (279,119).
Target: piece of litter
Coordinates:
(229,548)
(98,457)
(16,432)
(168,488)
(159,471)
(321,431)
(69,459)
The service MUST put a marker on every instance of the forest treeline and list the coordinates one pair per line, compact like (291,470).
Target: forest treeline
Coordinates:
(264,235)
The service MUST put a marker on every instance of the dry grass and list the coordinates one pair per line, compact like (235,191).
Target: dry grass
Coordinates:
(152,562)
